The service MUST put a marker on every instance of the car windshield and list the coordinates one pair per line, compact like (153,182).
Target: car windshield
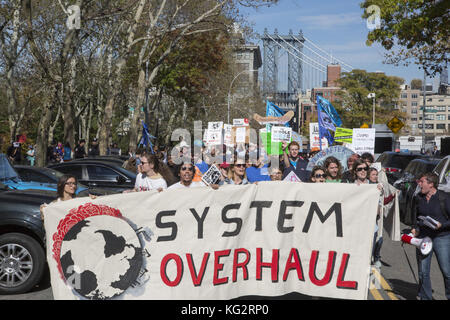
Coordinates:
(7,172)
(399,161)
(51,173)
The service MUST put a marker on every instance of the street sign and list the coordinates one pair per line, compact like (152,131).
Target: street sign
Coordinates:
(395,124)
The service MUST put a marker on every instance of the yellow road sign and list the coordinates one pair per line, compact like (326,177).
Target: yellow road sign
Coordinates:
(395,124)
(364,126)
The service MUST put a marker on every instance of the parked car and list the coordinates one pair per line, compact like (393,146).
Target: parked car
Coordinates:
(395,162)
(407,184)
(99,174)
(10,177)
(116,159)
(22,245)
(47,175)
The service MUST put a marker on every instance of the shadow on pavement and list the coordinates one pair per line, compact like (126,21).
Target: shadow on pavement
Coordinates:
(404,289)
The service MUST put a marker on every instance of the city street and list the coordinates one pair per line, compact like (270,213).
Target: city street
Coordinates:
(396,282)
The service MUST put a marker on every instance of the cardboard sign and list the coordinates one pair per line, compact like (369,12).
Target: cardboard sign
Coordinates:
(363,141)
(241,134)
(281,134)
(292,177)
(228,135)
(212,176)
(240,122)
(314,139)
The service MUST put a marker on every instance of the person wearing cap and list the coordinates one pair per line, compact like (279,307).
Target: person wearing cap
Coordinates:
(80,151)
(94,150)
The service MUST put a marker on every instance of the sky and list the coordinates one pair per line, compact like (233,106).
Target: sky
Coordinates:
(335,26)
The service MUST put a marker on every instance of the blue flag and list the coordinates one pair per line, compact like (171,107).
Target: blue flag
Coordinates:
(272,110)
(146,136)
(325,125)
(328,108)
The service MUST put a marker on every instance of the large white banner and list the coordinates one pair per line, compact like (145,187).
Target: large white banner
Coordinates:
(267,239)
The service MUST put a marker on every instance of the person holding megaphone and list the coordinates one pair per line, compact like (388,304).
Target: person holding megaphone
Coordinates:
(431,233)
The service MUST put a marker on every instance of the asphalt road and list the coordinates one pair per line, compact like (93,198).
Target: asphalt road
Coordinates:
(398,278)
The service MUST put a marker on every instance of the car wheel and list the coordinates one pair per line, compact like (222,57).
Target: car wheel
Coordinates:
(22,261)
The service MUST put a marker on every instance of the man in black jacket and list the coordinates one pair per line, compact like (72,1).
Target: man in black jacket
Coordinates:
(93,150)
(79,151)
(433,204)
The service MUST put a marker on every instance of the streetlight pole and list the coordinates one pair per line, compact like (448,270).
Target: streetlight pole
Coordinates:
(229,91)
(372,95)
(423,110)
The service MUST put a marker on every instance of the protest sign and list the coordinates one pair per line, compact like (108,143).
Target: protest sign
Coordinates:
(281,134)
(363,141)
(212,176)
(240,134)
(267,239)
(343,135)
(292,177)
(272,148)
(214,133)
(227,135)
(339,152)
(240,122)
(314,139)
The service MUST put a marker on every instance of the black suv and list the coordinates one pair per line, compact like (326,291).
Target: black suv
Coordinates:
(98,174)
(396,162)
(22,244)
(407,184)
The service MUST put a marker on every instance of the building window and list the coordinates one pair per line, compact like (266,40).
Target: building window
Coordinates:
(413,119)
(414,96)
(414,111)
(440,117)
(440,126)
(404,95)
(414,104)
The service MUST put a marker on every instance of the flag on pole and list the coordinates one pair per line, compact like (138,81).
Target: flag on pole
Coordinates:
(326,124)
(328,108)
(146,136)
(272,110)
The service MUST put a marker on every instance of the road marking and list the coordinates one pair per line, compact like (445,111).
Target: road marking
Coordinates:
(387,288)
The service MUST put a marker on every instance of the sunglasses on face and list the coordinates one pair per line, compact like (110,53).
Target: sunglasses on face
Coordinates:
(361,169)
(318,176)
(240,165)
(186,168)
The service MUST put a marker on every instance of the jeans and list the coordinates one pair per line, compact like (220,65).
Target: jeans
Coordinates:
(441,247)
(376,249)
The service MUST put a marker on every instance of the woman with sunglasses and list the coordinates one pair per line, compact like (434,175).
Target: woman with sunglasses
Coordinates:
(318,175)
(236,173)
(154,175)
(360,171)
(186,174)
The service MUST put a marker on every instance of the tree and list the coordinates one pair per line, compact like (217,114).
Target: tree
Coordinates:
(416,84)
(416,30)
(355,107)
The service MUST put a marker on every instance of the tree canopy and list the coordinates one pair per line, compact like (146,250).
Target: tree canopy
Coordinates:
(412,30)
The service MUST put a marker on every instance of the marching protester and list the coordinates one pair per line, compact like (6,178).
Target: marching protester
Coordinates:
(318,174)
(236,173)
(368,158)
(434,204)
(224,168)
(31,155)
(94,149)
(275,174)
(333,169)
(14,153)
(348,175)
(257,171)
(294,162)
(66,190)
(154,175)
(79,151)
(186,174)
(67,156)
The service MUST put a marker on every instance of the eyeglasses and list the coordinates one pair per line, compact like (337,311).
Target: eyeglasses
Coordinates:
(186,168)
(70,183)
(318,176)
(240,165)
(361,169)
